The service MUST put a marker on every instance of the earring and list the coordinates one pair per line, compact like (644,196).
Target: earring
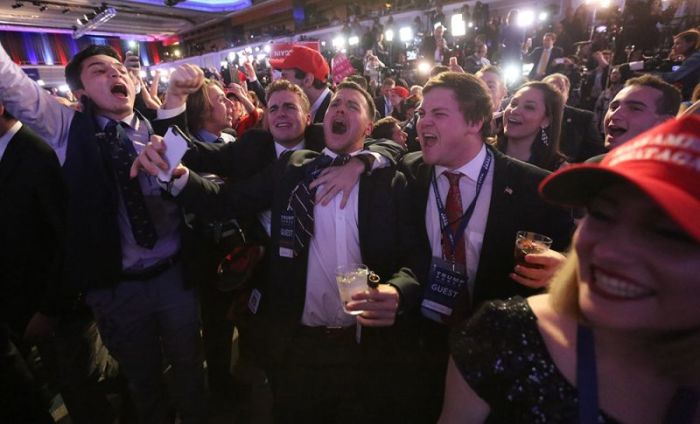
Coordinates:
(544,137)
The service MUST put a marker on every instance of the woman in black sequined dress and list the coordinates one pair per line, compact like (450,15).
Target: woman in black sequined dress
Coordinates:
(632,284)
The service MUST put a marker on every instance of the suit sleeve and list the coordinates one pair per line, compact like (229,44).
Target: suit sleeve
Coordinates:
(408,278)
(160,126)
(51,199)
(259,91)
(689,66)
(212,158)
(230,199)
(386,148)
(533,56)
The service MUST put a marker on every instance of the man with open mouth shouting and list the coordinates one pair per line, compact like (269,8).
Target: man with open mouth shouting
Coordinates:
(643,103)
(324,365)
(123,236)
(471,201)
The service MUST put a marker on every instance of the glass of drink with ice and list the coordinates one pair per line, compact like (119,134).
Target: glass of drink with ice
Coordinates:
(351,279)
(527,242)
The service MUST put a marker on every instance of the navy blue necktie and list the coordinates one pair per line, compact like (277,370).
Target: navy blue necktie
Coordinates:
(123,154)
(303,199)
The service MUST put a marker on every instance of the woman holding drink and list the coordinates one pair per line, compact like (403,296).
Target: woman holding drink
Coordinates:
(617,339)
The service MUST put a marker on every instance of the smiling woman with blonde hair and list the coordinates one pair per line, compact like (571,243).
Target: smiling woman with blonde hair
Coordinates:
(617,339)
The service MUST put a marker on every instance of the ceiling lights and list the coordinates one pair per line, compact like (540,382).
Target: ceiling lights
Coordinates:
(90,21)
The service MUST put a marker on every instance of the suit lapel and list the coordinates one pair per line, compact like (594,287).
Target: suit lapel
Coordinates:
(364,206)
(423,176)
(271,152)
(500,216)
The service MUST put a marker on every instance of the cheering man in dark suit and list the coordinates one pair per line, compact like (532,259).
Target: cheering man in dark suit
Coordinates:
(471,200)
(320,367)
(123,237)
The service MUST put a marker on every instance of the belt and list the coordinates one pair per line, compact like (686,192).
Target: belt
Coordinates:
(151,272)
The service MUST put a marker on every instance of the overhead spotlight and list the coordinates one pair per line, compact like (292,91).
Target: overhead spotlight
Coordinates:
(90,21)
(406,34)
(526,18)
(424,68)
(389,35)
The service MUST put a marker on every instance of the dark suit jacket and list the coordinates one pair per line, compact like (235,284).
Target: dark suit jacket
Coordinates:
(32,226)
(245,157)
(587,101)
(380,105)
(386,239)
(534,57)
(321,111)
(579,138)
(515,205)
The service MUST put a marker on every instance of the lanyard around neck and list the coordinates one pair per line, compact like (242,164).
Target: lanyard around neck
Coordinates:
(681,410)
(455,237)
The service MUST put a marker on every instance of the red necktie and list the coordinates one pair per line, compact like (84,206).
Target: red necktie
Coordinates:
(453,204)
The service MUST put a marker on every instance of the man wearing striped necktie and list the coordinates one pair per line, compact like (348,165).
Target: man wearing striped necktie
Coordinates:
(317,369)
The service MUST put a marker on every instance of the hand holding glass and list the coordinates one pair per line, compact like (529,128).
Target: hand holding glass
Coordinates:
(527,242)
(351,279)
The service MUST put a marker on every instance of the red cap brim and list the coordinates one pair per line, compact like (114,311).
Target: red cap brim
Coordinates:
(576,185)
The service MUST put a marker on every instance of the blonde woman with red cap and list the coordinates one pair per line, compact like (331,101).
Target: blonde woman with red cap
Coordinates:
(617,339)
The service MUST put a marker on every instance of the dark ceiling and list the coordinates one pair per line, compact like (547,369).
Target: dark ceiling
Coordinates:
(144,17)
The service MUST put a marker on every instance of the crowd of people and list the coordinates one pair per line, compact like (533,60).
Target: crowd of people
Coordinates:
(131,267)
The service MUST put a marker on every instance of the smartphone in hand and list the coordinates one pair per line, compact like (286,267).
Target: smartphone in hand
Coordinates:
(176,145)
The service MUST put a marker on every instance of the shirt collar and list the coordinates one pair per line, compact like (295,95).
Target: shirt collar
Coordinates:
(471,169)
(317,104)
(132,121)
(206,136)
(279,149)
(228,138)
(328,152)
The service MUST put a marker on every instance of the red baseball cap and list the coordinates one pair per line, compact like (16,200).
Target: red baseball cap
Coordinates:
(663,162)
(400,91)
(306,59)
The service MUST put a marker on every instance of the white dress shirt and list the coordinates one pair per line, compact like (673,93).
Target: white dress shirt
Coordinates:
(335,242)
(474,233)
(5,139)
